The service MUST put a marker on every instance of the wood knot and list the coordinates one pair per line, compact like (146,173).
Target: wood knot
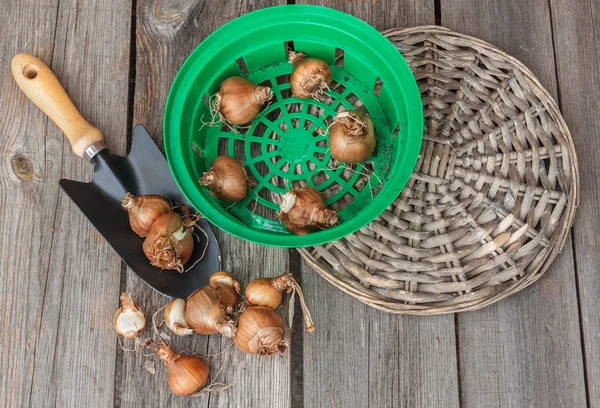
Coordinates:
(170,14)
(22,167)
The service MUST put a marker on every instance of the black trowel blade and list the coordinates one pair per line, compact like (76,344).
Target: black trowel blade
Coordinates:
(143,171)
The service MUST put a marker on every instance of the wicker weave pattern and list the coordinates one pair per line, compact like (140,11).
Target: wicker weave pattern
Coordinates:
(492,197)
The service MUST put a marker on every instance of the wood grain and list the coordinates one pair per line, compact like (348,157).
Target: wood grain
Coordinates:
(363,357)
(91,57)
(26,244)
(167,32)
(383,14)
(577,58)
(525,350)
(60,280)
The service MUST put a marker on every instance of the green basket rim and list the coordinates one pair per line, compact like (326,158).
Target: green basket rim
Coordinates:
(396,177)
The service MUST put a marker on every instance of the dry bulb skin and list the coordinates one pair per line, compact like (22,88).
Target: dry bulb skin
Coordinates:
(351,137)
(206,311)
(128,321)
(268,292)
(264,292)
(310,77)
(226,179)
(175,318)
(185,374)
(260,331)
(144,210)
(303,211)
(228,289)
(239,100)
(169,243)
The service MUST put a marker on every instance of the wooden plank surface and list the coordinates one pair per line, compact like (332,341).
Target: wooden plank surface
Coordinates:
(59,278)
(362,357)
(577,44)
(25,246)
(167,32)
(91,55)
(524,351)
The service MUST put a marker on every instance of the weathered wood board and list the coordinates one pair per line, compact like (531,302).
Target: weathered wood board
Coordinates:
(167,32)
(60,279)
(577,47)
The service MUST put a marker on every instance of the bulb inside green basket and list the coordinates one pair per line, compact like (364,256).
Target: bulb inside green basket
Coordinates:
(286,146)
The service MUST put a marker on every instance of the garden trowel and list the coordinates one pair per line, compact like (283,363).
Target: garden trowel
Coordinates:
(143,171)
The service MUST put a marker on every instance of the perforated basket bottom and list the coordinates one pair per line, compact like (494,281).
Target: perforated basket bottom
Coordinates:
(492,197)
(286,147)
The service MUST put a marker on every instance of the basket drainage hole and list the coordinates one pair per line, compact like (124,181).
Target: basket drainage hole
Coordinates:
(318,179)
(319,131)
(339,57)
(242,66)
(340,108)
(197,150)
(223,146)
(337,87)
(346,200)
(238,149)
(282,79)
(260,129)
(262,168)
(274,114)
(319,156)
(359,185)
(378,86)
(289,46)
(396,130)
(354,101)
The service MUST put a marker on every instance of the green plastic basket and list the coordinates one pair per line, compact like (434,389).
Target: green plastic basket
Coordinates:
(286,145)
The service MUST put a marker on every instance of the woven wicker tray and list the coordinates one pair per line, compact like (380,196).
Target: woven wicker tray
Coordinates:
(491,199)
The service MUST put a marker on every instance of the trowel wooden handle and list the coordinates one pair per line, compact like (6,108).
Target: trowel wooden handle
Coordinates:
(40,85)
